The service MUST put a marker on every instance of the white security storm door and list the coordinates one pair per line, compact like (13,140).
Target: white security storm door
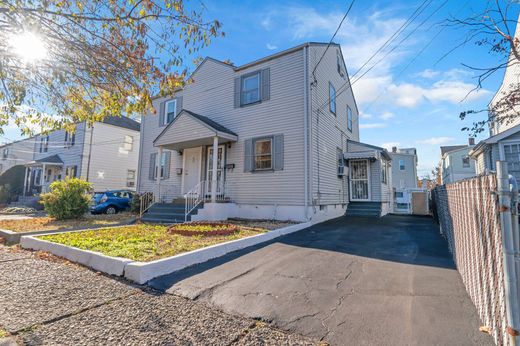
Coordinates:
(192,158)
(359,180)
(220,168)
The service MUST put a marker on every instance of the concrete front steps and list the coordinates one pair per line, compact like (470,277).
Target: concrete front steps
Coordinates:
(366,209)
(167,213)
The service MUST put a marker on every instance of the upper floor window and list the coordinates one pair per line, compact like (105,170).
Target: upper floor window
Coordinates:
(170,111)
(339,62)
(465,162)
(44,144)
(5,154)
(401,165)
(128,144)
(263,153)
(349,119)
(250,89)
(70,139)
(384,173)
(332,98)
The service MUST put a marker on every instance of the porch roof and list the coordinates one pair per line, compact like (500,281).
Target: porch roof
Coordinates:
(367,154)
(53,160)
(358,150)
(190,129)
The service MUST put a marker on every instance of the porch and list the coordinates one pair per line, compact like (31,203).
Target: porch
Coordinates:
(202,144)
(39,174)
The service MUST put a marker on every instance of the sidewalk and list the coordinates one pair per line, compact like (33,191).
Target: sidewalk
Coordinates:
(46,300)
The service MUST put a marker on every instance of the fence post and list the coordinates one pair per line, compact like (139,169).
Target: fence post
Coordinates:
(508,249)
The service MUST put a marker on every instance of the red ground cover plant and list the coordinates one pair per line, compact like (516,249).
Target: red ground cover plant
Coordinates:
(204,229)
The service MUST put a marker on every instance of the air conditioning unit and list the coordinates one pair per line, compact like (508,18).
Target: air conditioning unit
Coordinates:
(342,171)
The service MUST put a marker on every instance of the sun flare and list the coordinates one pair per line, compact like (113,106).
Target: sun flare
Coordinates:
(28,46)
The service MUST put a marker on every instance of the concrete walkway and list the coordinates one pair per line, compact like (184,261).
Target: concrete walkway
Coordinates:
(388,281)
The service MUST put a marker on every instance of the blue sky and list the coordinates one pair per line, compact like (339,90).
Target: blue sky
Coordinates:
(416,107)
(406,100)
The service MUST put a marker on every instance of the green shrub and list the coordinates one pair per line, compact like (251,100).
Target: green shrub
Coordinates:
(135,206)
(67,199)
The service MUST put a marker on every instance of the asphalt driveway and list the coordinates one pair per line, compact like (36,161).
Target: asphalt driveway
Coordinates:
(349,281)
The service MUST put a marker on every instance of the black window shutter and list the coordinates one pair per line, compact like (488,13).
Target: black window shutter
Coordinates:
(151,171)
(161,113)
(178,105)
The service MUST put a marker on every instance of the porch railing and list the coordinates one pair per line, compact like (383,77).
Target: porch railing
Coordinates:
(146,201)
(201,193)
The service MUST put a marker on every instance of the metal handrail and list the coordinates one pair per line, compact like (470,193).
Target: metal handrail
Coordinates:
(147,199)
(193,198)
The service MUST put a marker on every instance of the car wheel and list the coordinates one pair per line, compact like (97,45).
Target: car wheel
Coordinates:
(111,210)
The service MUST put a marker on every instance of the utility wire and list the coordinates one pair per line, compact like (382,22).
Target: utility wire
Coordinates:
(332,38)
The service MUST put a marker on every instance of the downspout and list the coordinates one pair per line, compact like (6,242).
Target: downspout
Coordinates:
(306,132)
(90,151)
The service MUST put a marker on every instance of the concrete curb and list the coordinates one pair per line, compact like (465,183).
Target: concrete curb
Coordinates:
(94,260)
(142,272)
(13,238)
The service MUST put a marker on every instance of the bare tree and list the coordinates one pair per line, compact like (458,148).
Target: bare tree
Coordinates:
(66,61)
(494,29)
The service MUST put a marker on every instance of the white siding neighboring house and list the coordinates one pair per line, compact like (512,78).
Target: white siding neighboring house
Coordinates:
(404,178)
(105,154)
(275,131)
(457,163)
(16,154)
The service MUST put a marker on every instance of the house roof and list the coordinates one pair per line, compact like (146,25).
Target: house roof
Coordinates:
(122,121)
(383,151)
(494,139)
(50,159)
(206,122)
(211,123)
(448,148)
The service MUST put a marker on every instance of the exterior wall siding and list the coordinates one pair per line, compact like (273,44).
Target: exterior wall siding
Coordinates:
(20,153)
(329,131)
(109,160)
(409,175)
(212,95)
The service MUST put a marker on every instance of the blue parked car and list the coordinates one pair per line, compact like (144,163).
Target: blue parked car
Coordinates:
(111,202)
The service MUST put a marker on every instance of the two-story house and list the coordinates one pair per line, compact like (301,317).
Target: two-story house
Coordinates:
(105,154)
(456,163)
(264,140)
(404,178)
(16,153)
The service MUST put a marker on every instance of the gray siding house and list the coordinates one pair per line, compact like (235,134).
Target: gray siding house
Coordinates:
(264,140)
(105,154)
(17,153)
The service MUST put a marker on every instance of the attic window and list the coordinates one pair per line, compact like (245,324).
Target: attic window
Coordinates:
(339,63)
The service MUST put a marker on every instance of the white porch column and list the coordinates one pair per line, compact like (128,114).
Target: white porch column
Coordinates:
(158,163)
(214,180)
(25,180)
(42,177)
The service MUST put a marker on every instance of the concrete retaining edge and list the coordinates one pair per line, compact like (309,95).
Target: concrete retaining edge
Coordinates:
(94,260)
(142,272)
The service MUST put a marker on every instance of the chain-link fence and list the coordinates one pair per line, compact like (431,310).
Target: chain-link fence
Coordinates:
(469,216)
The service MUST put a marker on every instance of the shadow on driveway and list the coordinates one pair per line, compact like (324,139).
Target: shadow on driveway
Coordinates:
(350,280)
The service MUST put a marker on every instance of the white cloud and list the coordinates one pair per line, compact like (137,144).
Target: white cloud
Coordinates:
(364,115)
(387,115)
(271,46)
(428,73)
(436,140)
(267,22)
(372,126)
(388,146)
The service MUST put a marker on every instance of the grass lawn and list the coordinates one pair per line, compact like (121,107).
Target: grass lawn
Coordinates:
(45,223)
(144,242)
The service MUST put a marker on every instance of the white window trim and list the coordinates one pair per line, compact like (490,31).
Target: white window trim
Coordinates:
(242,84)
(262,139)
(165,115)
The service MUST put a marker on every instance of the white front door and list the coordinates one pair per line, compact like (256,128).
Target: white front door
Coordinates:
(220,167)
(191,168)
(359,180)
